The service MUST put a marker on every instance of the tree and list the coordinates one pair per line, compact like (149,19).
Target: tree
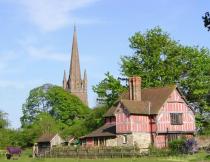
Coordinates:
(108,90)
(206,20)
(65,106)
(95,119)
(159,60)
(35,104)
(3,120)
(54,100)
(92,121)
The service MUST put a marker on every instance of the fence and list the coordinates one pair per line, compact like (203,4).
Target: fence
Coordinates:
(92,153)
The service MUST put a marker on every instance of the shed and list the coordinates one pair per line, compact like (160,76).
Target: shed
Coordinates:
(46,141)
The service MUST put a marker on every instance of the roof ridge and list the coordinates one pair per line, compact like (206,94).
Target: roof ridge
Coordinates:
(166,86)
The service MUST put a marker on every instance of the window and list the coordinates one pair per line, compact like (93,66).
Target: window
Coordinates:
(176,118)
(125,139)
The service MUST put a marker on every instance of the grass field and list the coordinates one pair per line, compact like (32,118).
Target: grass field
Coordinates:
(194,158)
(199,157)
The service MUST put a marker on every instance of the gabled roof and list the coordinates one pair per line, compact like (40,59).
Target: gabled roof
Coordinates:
(152,100)
(136,107)
(47,137)
(107,130)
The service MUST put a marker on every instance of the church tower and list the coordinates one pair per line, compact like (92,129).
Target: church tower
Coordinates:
(75,84)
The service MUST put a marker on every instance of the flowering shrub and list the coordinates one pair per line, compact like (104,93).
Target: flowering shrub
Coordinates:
(183,146)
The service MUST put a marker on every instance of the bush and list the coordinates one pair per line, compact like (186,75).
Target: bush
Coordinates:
(190,146)
(176,146)
(183,146)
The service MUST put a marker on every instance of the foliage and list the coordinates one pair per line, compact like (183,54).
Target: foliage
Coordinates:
(95,119)
(108,90)
(158,152)
(51,109)
(91,121)
(54,100)
(35,104)
(65,106)
(190,146)
(6,138)
(183,146)
(176,146)
(3,120)
(160,61)
(206,20)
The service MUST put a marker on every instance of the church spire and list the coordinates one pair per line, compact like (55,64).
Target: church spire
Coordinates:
(75,83)
(64,80)
(74,74)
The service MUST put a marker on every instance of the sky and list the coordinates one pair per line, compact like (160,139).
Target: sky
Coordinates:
(36,38)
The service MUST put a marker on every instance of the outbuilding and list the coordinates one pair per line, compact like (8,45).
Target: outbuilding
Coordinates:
(46,141)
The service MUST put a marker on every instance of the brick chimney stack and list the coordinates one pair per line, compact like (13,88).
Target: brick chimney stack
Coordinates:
(135,88)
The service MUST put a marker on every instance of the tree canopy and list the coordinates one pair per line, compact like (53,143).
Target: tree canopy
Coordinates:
(54,100)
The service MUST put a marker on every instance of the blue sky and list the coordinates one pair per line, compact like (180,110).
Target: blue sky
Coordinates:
(36,37)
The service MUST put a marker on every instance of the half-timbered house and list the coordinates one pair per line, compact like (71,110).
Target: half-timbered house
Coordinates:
(144,117)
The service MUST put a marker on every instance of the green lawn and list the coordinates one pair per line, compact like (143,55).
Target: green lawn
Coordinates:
(200,157)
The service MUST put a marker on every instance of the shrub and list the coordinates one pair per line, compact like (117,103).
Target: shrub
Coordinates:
(190,146)
(177,146)
(183,146)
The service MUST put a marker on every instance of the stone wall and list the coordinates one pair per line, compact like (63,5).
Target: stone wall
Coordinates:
(111,142)
(141,140)
(121,140)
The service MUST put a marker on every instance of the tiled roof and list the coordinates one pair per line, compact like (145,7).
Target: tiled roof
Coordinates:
(136,107)
(107,130)
(152,100)
(47,137)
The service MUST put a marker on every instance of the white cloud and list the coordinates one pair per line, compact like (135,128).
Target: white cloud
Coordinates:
(50,15)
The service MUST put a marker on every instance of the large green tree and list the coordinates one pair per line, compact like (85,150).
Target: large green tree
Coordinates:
(54,100)
(65,106)
(160,60)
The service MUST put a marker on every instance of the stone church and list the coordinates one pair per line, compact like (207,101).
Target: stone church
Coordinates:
(75,83)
